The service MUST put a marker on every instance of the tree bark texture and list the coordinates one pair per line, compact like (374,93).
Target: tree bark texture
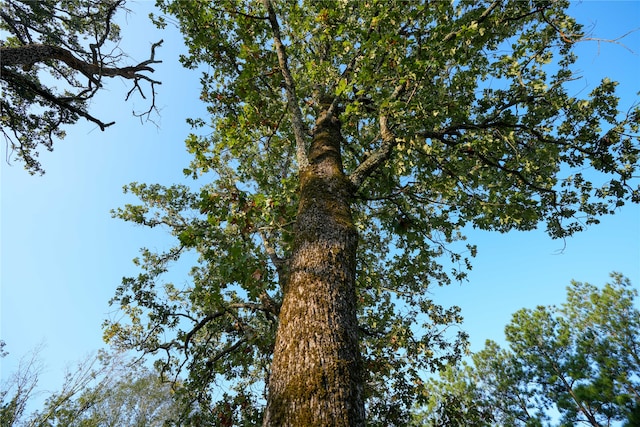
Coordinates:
(316,375)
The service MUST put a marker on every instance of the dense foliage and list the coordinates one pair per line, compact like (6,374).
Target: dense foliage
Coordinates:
(451,114)
(435,116)
(581,360)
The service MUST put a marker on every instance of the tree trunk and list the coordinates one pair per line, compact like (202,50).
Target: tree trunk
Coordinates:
(316,374)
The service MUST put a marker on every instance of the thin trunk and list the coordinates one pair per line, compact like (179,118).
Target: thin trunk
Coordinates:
(316,374)
(569,389)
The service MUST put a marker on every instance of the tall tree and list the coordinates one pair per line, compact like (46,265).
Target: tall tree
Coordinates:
(348,144)
(580,360)
(53,61)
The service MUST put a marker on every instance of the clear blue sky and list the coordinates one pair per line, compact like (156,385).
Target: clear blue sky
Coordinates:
(62,256)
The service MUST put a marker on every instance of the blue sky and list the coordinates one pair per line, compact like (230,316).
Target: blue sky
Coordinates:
(62,255)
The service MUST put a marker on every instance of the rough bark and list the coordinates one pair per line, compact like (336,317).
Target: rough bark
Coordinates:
(316,374)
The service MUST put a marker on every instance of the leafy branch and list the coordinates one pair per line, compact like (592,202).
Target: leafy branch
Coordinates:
(41,41)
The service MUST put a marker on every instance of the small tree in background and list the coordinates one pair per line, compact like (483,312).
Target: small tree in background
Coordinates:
(102,391)
(580,359)
(18,389)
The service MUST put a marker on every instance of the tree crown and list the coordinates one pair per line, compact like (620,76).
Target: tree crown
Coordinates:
(451,114)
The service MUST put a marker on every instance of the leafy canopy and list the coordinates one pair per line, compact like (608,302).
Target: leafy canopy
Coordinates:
(453,114)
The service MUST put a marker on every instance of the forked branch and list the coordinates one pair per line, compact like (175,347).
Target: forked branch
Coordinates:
(366,168)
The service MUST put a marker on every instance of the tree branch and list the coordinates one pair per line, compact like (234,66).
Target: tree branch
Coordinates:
(28,55)
(481,18)
(62,103)
(201,324)
(73,104)
(289,86)
(366,168)
(267,306)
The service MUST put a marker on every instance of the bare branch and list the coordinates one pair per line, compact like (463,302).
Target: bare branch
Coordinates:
(66,107)
(28,55)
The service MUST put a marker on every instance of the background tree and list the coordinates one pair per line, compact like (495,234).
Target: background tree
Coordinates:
(129,395)
(348,145)
(455,399)
(55,55)
(17,390)
(102,391)
(579,359)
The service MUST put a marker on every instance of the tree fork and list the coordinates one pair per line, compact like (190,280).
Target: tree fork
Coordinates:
(316,375)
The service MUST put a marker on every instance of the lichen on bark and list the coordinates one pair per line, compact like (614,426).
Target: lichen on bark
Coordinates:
(317,369)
